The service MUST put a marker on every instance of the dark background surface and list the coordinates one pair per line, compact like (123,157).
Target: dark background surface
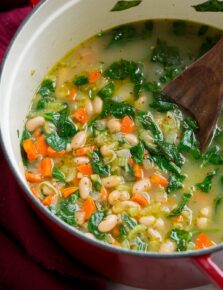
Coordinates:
(9,4)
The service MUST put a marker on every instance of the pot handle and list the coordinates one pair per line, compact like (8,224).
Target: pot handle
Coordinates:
(214,272)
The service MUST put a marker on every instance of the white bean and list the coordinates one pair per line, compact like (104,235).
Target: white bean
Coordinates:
(80,216)
(97,105)
(111,181)
(79,140)
(141,103)
(69,148)
(106,151)
(108,223)
(154,234)
(114,125)
(117,195)
(202,222)
(85,187)
(81,160)
(90,235)
(89,107)
(129,203)
(205,211)
(34,123)
(159,224)
(168,247)
(147,220)
(131,139)
(141,186)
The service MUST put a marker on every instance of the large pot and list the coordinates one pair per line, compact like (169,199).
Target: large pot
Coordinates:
(54,28)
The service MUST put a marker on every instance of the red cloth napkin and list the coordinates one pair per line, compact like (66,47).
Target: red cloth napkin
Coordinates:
(29,256)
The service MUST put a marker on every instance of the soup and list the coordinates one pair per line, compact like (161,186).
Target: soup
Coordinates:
(109,154)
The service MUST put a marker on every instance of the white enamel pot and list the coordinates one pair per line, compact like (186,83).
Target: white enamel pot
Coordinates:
(54,27)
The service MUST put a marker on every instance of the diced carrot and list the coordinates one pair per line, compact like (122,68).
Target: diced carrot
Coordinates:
(32,177)
(41,145)
(127,125)
(30,149)
(72,94)
(81,115)
(85,169)
(88,207)
(37,133)
(131,162)
(35,192)
(53,153)
(203,241)
(116,231)
(46,167)
(68,191)
(158,179)
(94,76)
(47,200)
(83,151)
(140,199)
(104,193)
(138,171)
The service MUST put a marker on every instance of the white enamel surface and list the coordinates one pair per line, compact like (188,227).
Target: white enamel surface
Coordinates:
(55,28)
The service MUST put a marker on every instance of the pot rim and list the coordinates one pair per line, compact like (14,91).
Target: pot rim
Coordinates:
(55,219)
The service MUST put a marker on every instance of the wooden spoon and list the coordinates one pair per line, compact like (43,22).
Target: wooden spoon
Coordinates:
(199,91)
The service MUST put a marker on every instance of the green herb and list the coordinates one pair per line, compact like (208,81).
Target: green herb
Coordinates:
(181,237)
(163,103)
(25,135)
(81,80)
(152,87)
(203,30)
(210,6)
(188,142)
(118,110)
(58,174)
(212,156)
(137,153)
(218,202)
(98,165)
(210,41)
(42,103)
(107,91)
(122,231)
(56,142)
(205,185)
(190,123)
(169,74)
(165,54)
(95,219)
(170,152)
(47,88)
(123,34)
(125,4)
(179,27)
(130,222)
(175,182)
(178,210)
(141,245)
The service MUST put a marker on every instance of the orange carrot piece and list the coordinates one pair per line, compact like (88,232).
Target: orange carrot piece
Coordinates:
(47,200)
(158,179)
(35,192)
(72,94)
(85,169)
(138,171)
(203,241)
(68,191)
(52,153)
(46,167)
(116,231)
(104,193)
(37,133)
(127,125)
(32,177)
(140,199)
(30,149)
(89,207)
(81,115)
(83,151)
(178,219)
(41,145)
(94,76)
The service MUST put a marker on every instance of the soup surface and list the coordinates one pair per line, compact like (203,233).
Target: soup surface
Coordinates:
(109,154)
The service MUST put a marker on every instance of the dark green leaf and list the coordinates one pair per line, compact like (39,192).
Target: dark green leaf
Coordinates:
(118,70)
(210,6)
(210,41)
(97,185)
(125,4)
(118,110)
(188,141)
(165,164)
(212,156)
(175,182)
(162,106)
(93,223)
(137,153)
(205,185)
(130,222)
(58,174)
(171,153)
(169,74)
(107,91)
(122,231)
(181,237)
(141,245)
(218,202)
(25,135)
(123,34)
(47,88)
(190,123)
(179,27)
(56,142)
(152,87)
(178,210)
(43,102)
(98,165)
(81,80)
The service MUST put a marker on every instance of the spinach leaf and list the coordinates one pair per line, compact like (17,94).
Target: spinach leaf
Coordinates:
(212,156)
(147,122)
(123,34)
(179,27)
(165,54)
(190,123)
(205,185)
(171,153)
(125,4)
(188,141)
(118,110)
(42,103)
(81,80)
(130,222)
(178,210)
(58,174)
(98,165)
(56,142)
(47,88)
(162,103)
(210,6)
(122,231)
(169,74)
(137,152)
(152,87)
(25,135)
(210,41)
(118,70)
(218,202)
(93,223)
(175,182)
(181,237)
(107,91)
(165,164)
(141,245)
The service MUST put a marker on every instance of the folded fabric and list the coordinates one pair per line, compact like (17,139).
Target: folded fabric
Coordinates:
(27,249)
